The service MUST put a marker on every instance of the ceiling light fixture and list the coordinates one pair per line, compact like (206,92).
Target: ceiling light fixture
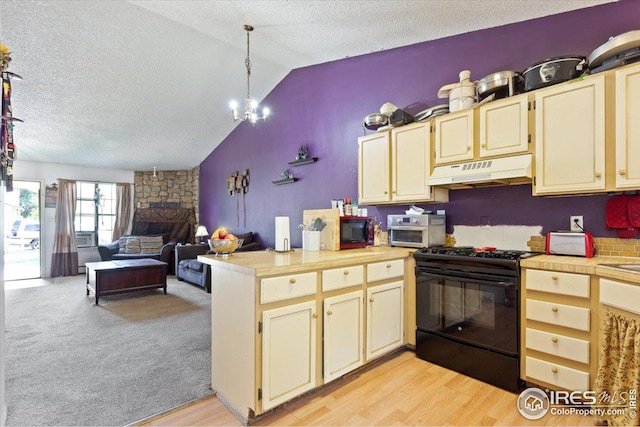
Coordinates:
(250,106)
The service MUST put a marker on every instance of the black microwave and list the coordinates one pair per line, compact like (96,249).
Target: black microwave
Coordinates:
(356,232)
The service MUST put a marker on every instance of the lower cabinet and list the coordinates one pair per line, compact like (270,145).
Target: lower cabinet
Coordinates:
(385,318)
(288,352)
(558,330)
(343,334)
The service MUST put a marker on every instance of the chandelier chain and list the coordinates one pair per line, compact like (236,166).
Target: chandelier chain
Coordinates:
(247,63)
(250,114)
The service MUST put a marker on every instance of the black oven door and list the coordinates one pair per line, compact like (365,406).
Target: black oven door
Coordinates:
(479,312)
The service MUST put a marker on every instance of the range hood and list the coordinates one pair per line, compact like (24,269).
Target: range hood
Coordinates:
(484,173)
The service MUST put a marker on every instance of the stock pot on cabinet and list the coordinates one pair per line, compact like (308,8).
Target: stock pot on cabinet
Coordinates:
(553,71)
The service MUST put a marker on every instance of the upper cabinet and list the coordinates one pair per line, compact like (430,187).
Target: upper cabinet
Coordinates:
(570,137)
(504,127)
(394,166)
(454,137)
(374,162)
(627,108)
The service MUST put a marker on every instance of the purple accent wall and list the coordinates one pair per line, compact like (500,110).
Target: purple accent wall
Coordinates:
(322,107)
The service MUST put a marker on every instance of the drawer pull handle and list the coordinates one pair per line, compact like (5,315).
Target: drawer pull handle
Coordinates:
(598,174)
(554,340)
(314,315)
(292,280)
(554,370)
(483,145)
(622,172)
(329,312)
(554,277)
(554,309)
(371,299)
(468,148)
(346,272)
(388,265)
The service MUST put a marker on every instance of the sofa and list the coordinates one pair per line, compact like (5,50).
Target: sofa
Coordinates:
(189,269)
(137,247)
(172,225)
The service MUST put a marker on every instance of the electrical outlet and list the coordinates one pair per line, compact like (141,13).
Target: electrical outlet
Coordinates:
(577,223)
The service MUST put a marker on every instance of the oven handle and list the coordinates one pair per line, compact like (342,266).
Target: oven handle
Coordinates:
(498,283)
(407,228)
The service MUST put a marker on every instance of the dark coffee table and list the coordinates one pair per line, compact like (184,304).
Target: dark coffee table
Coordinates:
(122,276)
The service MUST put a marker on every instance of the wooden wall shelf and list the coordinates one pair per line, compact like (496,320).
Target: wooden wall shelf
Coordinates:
(285,181)
(301,162)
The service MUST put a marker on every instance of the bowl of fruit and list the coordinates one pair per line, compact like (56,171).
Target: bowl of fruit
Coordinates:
(224,243)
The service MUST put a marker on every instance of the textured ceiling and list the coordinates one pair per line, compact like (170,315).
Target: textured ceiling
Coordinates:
(137,84)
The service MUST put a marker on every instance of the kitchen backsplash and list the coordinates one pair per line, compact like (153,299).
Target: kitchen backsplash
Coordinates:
(605,246)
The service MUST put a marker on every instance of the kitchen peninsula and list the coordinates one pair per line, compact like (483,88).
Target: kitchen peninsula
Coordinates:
(286,323)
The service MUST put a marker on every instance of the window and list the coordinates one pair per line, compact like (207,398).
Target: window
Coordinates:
(95,213)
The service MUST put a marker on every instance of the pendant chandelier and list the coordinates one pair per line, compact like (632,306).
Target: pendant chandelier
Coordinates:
(250,106)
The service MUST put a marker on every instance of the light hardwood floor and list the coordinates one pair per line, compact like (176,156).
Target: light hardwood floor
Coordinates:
(400,391)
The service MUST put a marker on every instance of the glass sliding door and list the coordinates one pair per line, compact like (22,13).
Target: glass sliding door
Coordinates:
(22,231)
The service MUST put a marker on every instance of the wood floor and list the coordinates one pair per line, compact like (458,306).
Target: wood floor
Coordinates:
(401,391)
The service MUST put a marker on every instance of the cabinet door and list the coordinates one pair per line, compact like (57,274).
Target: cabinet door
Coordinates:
(570,137)
(504,127)
(385,318)
(454,137)
(288,352)
(343,334)
(410,165)
(373,168)
(628,127)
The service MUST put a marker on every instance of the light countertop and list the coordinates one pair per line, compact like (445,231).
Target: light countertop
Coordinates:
(268,263)
(593,266)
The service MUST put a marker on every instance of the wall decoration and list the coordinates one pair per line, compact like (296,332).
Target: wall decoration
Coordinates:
(239,184)
(51,196)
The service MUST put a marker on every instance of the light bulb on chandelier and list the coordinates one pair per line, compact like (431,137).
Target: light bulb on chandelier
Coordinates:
(250,106)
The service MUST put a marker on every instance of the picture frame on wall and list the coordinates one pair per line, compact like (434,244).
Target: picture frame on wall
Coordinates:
(51,196)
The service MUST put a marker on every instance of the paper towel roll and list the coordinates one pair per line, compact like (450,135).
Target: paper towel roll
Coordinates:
(283,238)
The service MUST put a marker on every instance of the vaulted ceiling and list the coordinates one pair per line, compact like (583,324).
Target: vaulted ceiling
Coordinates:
(143,83)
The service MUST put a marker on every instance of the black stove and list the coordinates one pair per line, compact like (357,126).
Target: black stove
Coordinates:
(469,260)
(470,251)
(467,311)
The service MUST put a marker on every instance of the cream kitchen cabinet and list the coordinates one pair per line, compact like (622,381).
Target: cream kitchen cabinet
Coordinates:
(570,137)
(283,324)
(343,334)
(374,163)
(288,352)
(385,319)
(393,167)
(627,111)
(454,137)
(385,308)
(558,348)
(504,127)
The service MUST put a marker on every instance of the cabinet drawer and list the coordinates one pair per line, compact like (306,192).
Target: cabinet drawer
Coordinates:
(559,314)
(339,278)
(620,295)
(558,345)
(558,283)
(286,287)
(553,373)
(385,270)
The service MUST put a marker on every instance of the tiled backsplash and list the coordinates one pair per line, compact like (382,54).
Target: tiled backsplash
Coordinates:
(605,246)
